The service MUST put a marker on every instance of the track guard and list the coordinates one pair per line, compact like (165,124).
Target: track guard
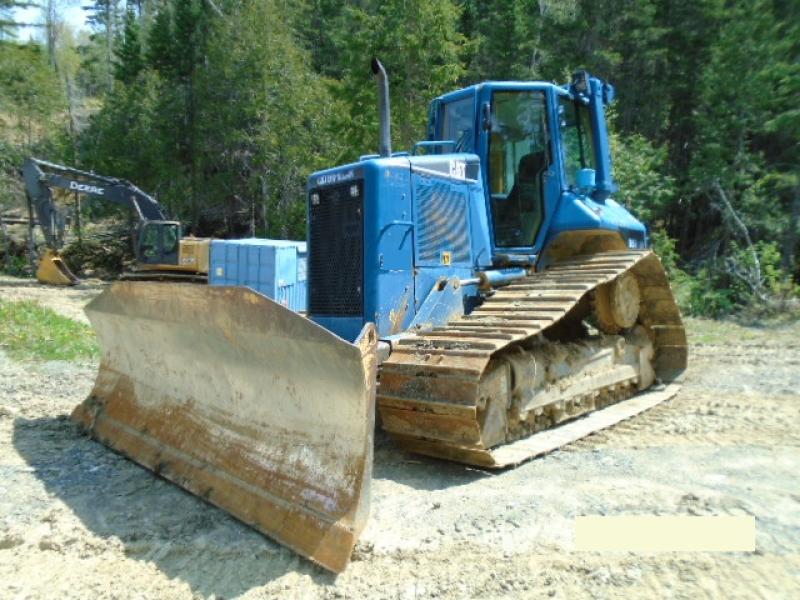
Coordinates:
(243,403)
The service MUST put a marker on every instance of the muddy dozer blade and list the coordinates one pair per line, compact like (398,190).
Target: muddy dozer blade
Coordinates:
(52,270)
(242,402)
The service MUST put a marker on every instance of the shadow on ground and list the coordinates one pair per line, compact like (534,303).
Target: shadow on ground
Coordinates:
(180,534)
(420,472)
(156,521)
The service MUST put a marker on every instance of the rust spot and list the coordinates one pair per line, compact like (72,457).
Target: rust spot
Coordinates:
(396,317)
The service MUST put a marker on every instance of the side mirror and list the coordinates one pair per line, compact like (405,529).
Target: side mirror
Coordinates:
(486,116)
(585,180)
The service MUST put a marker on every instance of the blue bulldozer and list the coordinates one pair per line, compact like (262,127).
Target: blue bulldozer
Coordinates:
(482,297)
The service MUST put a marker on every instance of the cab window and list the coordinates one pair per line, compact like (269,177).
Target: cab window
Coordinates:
(518,158)
(576,136)
(171,236)
(458,122)
(150,241)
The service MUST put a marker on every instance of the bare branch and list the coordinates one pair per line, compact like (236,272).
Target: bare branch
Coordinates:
(757,283)
(215,8)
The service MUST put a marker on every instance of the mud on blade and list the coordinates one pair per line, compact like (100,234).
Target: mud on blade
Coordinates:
(242,402)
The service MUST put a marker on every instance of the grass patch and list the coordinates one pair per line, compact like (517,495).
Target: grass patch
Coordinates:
(29,331)
(774,331)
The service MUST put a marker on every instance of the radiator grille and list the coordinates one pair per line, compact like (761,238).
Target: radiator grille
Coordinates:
(441,221)
(336,250)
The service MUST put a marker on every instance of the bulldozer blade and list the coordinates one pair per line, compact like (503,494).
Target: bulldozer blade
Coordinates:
(242,402)
(52,270)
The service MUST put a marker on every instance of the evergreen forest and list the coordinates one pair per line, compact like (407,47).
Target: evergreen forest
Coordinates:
(222,108)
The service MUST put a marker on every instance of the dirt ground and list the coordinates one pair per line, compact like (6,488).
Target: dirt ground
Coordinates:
(77,520)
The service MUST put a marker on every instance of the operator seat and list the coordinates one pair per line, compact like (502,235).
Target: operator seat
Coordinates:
(522,209)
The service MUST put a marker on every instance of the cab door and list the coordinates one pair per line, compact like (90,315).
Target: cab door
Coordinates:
(516,148)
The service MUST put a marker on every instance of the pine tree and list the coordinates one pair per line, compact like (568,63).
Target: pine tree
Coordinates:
(264,122)
(104,17)
(419,44)
(129,61)
(8,23)
(159,42)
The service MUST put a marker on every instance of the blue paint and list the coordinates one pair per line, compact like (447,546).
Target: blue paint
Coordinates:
(444,303)
(420,224)
(429,217)
(586,180)
(275,268)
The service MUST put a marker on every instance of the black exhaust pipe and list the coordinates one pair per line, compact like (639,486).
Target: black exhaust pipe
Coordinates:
(383,108)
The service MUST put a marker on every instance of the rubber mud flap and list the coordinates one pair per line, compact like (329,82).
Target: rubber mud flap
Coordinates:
(242,402)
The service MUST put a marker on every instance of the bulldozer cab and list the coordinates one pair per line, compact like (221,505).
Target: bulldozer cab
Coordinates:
(158,243)
(537,143)
(509,127)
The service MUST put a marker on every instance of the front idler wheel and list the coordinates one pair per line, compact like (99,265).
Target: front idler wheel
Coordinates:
(616,304)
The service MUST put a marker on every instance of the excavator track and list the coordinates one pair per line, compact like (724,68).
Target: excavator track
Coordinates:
(489,388)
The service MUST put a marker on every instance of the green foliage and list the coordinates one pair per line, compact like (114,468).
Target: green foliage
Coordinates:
(722,286)
(14,257)
(639,170)
(159,41)
(419,44)
(120,138)
(129,61)
(101,257)
(29,331)
(11,156)
(30,93)
(9,25)
(104,17)
(264,120)
(223,109)
(664,247)
(32,106)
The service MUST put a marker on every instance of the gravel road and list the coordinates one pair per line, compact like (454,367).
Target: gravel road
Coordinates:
(77,520)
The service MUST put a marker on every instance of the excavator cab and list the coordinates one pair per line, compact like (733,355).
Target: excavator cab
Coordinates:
(158,243)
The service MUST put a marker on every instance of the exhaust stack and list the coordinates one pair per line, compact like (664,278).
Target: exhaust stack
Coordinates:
(383,108)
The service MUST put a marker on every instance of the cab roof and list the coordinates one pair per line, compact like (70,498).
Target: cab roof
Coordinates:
(502,85)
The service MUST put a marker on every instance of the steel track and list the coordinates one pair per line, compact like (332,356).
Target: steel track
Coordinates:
(430,388)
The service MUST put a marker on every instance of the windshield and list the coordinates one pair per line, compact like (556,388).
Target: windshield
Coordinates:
(518,157)
(576,135)
(150,241)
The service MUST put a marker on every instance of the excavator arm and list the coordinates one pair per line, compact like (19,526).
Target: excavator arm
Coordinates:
(41,177)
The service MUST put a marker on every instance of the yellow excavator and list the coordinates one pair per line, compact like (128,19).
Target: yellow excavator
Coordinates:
(160,250)
(485,292)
